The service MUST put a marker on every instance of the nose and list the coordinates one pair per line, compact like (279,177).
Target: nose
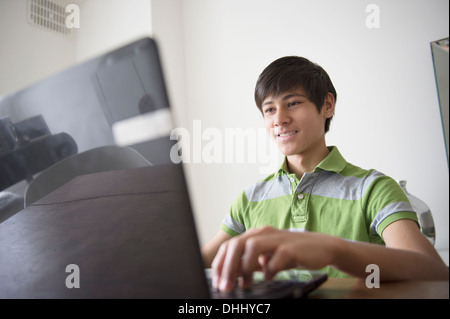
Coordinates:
(281,117)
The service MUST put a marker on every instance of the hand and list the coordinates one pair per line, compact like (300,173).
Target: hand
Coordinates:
(269,250)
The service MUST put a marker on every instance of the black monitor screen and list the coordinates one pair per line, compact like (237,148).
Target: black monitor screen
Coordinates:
(76,110)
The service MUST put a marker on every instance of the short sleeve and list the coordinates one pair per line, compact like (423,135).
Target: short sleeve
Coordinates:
(233,223)
(385,202)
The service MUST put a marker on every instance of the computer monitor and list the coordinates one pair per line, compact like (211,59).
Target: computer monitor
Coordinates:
(78,108)
(440,52)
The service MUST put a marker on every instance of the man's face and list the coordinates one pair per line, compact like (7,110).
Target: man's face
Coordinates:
(294,122)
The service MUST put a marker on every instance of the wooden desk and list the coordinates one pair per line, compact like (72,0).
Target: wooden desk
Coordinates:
(352,288)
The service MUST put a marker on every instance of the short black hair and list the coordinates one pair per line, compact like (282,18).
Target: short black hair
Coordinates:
(290,72)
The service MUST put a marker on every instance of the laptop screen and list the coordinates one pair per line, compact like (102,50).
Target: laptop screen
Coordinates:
(76,110)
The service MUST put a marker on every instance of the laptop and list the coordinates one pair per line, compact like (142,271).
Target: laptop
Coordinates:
(119,234)
(123,233)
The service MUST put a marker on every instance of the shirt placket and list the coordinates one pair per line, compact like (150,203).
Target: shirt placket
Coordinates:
(301,191)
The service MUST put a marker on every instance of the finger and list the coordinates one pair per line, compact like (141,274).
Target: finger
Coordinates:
(258,250)
(250,259)
(217,264)
(228,267)
(283,258)
(231,268)
(254,249)
(263,260)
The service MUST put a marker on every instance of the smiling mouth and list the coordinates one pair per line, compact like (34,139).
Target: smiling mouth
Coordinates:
(287,134)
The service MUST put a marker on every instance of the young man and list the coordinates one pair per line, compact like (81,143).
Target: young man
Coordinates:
(317,211)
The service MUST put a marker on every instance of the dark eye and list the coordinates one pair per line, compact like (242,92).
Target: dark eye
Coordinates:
(293,103)
(268,110)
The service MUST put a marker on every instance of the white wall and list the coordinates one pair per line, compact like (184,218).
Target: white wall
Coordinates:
(108,24)
(29,53)
(167,30)
(387,114)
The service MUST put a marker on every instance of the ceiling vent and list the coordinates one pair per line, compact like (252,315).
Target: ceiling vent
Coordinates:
(48,15)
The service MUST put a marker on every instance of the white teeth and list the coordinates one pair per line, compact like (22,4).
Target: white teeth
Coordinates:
(287,134)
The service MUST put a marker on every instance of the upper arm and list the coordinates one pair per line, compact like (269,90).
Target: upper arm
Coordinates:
(209,250)
(405,234)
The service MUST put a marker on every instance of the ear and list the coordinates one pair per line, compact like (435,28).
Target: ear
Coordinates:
(328,105)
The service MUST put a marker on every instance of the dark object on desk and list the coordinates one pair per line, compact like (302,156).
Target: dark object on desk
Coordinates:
(31,128)
(27,147)
(125,233)
(15,135)
(29,159)
(7,135)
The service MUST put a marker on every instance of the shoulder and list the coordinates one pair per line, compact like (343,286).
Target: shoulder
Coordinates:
(274,185)
(356,182)
(367,179)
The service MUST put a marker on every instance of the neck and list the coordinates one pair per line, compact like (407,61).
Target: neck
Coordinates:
(300,164)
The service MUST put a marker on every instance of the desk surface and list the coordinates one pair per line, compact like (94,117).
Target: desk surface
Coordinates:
(353,288)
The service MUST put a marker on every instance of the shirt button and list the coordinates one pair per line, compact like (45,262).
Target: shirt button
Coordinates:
(292,179)
(300,196)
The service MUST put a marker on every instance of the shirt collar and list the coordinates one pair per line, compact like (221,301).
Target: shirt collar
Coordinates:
(334,162)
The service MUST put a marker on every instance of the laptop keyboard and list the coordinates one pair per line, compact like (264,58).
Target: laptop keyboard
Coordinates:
(293,283)
(263,290)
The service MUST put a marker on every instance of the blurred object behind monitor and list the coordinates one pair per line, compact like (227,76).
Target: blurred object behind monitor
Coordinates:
(440,51)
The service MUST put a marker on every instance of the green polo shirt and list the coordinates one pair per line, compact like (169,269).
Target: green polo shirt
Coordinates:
(337,198)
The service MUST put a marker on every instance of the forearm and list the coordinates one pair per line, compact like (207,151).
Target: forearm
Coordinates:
(210,249)
(208,255)
(394,264)
(271,250)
